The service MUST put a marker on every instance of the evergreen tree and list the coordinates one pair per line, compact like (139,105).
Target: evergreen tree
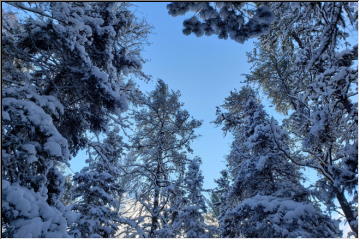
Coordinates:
(219,194)
(27,214)
(98,189)
(79,53)
(64,72)
(191,214)
(266,198)
(237,20)
(310,69)
(67,197)
(32,151)
(177,201)
(160,145)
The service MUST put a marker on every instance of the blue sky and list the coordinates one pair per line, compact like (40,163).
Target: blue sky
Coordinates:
(204,69)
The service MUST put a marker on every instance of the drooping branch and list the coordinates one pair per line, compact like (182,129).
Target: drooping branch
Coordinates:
(36,11)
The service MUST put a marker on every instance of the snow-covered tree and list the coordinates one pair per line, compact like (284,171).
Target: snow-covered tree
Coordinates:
(98,189)
(32,151)
(67,197)
(191,215)
(64,70)
(219,193)
(160,145)
(237,20)
(32,145)
(26,214)
(171,213)
(310,69)
(79,53)
(266,198)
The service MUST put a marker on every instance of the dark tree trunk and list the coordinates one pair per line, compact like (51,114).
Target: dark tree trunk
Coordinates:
(349,214)
(155,215)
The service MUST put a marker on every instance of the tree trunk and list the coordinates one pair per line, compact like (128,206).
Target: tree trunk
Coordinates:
(349,214)
(155,214)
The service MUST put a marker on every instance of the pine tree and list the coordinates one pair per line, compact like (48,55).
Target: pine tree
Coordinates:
(160,145)
(32,151)
(191,214)
(266,198)
(219,194)
(79,53)
(310,70)
(64,74)
(67,197)
(98,189)
(27,214)
(237,20)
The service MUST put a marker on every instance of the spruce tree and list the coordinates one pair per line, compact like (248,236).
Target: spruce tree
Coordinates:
(310,71)
(81,54)
(161,145)
(192,213)
(32,152)
(64,74)
(266,198)
(238,21)
(219,194)
(98,189)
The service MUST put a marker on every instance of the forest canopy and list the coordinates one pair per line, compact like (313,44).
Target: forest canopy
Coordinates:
(70,83)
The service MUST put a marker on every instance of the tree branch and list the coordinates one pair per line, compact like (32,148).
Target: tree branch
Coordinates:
(22,7)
